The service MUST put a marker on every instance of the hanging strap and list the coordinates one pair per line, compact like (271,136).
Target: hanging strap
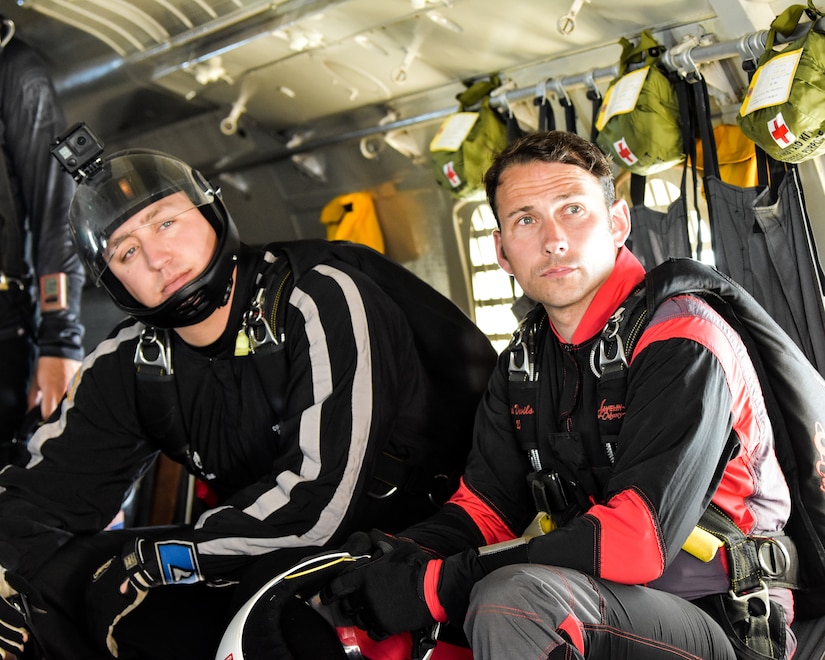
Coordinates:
(637,189)
(569,113)
(688,125)
(595,98)
(547,119)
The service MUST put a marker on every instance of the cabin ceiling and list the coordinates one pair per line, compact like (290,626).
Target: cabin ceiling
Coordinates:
(131,69)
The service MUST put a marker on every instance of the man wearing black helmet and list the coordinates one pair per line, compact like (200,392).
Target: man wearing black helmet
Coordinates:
(290,424)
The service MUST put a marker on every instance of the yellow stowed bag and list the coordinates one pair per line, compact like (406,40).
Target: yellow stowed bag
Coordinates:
(352,217)
(736,153)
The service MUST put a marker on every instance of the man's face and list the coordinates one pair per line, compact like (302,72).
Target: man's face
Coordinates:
(161,248)
(557,236)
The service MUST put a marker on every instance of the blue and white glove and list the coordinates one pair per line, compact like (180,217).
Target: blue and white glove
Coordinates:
(122,583)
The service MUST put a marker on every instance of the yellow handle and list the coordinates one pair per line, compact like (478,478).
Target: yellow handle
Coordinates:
(702,545)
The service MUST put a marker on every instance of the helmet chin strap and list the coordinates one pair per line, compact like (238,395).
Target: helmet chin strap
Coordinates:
(198,299)
(228,291)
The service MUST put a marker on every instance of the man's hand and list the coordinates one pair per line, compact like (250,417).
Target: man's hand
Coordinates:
(122,583)
(52,376)
(13,631)
(385,594)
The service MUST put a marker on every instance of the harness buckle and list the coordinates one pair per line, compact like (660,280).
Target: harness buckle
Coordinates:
(610,335)
(258,330)
(761,595)
(520,360)
(774,558)
(522,356)
(150,341)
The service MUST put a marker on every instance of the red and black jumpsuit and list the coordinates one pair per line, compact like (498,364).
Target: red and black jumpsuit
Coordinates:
(695,430)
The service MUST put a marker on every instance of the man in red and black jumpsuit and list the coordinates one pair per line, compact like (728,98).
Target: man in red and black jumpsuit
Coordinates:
(611,580)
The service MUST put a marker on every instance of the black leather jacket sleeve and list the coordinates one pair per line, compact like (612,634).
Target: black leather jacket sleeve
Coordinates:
(32,117)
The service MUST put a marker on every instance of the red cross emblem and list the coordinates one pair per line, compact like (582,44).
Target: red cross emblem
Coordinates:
(780,132)
(452,175)
(624,152)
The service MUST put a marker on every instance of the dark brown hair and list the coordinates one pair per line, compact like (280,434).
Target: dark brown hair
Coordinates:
(551,147)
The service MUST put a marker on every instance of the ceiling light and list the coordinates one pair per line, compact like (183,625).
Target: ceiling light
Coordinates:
(211,71)
(439,19)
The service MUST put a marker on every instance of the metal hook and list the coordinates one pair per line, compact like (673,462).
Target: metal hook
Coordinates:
(593,90)
(499,96)
(557,88)
(679,58)
(541,91)
(750,48)
(567,23)
(6,38)
(692,69)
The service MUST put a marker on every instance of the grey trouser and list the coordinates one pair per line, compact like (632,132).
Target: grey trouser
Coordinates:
(528,611)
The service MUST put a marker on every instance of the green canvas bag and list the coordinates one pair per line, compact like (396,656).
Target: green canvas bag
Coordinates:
(784,108)
(466,142)
(638,121)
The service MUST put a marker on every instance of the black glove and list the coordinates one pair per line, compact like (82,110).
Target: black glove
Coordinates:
(122,583)
(384,594)
(13,630)
(375,544)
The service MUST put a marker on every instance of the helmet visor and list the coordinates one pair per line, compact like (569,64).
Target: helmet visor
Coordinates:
(126,184)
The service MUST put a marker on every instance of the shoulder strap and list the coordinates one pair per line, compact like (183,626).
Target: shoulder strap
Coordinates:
(609,361)
(262,334)
(265,327)
(523,380)
(157,395)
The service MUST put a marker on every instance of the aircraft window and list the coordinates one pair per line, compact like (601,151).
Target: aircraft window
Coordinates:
(493,291)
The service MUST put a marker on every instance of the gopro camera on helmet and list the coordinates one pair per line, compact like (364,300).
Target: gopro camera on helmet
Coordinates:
(78,151)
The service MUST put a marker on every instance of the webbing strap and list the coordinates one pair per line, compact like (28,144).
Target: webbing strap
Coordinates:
(747,605)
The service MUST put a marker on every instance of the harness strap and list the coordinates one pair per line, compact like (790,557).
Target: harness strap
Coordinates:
(157,396)
(609,360)
(754,565)
(754,562)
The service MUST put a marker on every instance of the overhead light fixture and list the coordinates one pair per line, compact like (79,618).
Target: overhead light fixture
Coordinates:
(299,39)
(211,71)
(439,19)
(423,4)
(313,165)
(365,42)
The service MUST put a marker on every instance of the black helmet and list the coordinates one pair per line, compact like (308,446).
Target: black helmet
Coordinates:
(278,624)
(122,185)
(287,620)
